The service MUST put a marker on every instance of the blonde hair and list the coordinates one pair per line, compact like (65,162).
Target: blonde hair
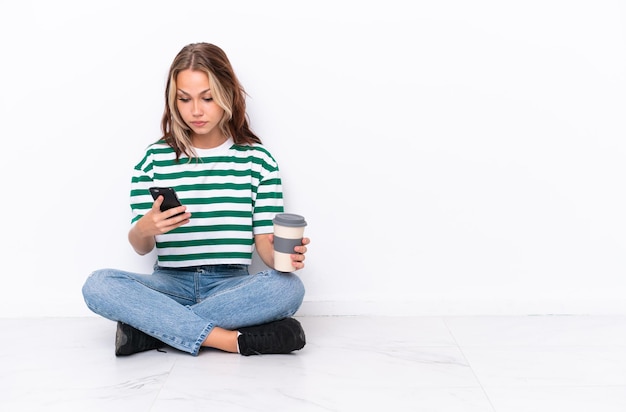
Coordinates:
(226,91)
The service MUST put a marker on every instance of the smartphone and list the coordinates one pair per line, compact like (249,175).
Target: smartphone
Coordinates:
(170,199)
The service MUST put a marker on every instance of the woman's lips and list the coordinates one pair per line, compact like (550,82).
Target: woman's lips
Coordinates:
(198,124)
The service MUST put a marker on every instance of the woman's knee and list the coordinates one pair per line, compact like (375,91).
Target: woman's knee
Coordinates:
(292,290)
(96,283)
(298,289)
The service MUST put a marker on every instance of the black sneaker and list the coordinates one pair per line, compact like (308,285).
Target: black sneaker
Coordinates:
(129,340)
(283,336)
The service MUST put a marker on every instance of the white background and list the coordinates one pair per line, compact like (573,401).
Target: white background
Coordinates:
(450,157)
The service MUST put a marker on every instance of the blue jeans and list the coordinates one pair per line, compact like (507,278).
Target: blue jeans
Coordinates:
(181,306)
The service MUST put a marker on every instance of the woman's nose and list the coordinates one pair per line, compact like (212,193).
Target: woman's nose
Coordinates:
(196,110)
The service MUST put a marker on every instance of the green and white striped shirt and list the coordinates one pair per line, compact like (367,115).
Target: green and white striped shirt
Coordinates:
(231,191)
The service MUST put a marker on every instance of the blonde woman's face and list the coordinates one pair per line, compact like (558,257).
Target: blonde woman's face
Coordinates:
(198,109)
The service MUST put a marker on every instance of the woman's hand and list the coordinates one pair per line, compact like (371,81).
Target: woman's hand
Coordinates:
(297,259)
(264,245)
(155,222)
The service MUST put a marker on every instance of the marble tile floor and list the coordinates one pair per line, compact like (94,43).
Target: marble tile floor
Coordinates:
(482,363)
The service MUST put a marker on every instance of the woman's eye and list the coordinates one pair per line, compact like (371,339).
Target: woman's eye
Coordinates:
(208,99)
(183,99)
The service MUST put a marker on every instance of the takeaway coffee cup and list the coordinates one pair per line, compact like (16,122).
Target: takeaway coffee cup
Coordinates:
(288,233)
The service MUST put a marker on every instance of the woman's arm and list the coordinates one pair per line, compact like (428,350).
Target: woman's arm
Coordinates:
(142,243)
(155,222)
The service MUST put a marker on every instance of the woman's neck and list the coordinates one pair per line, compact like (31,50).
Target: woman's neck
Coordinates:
(207,141)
